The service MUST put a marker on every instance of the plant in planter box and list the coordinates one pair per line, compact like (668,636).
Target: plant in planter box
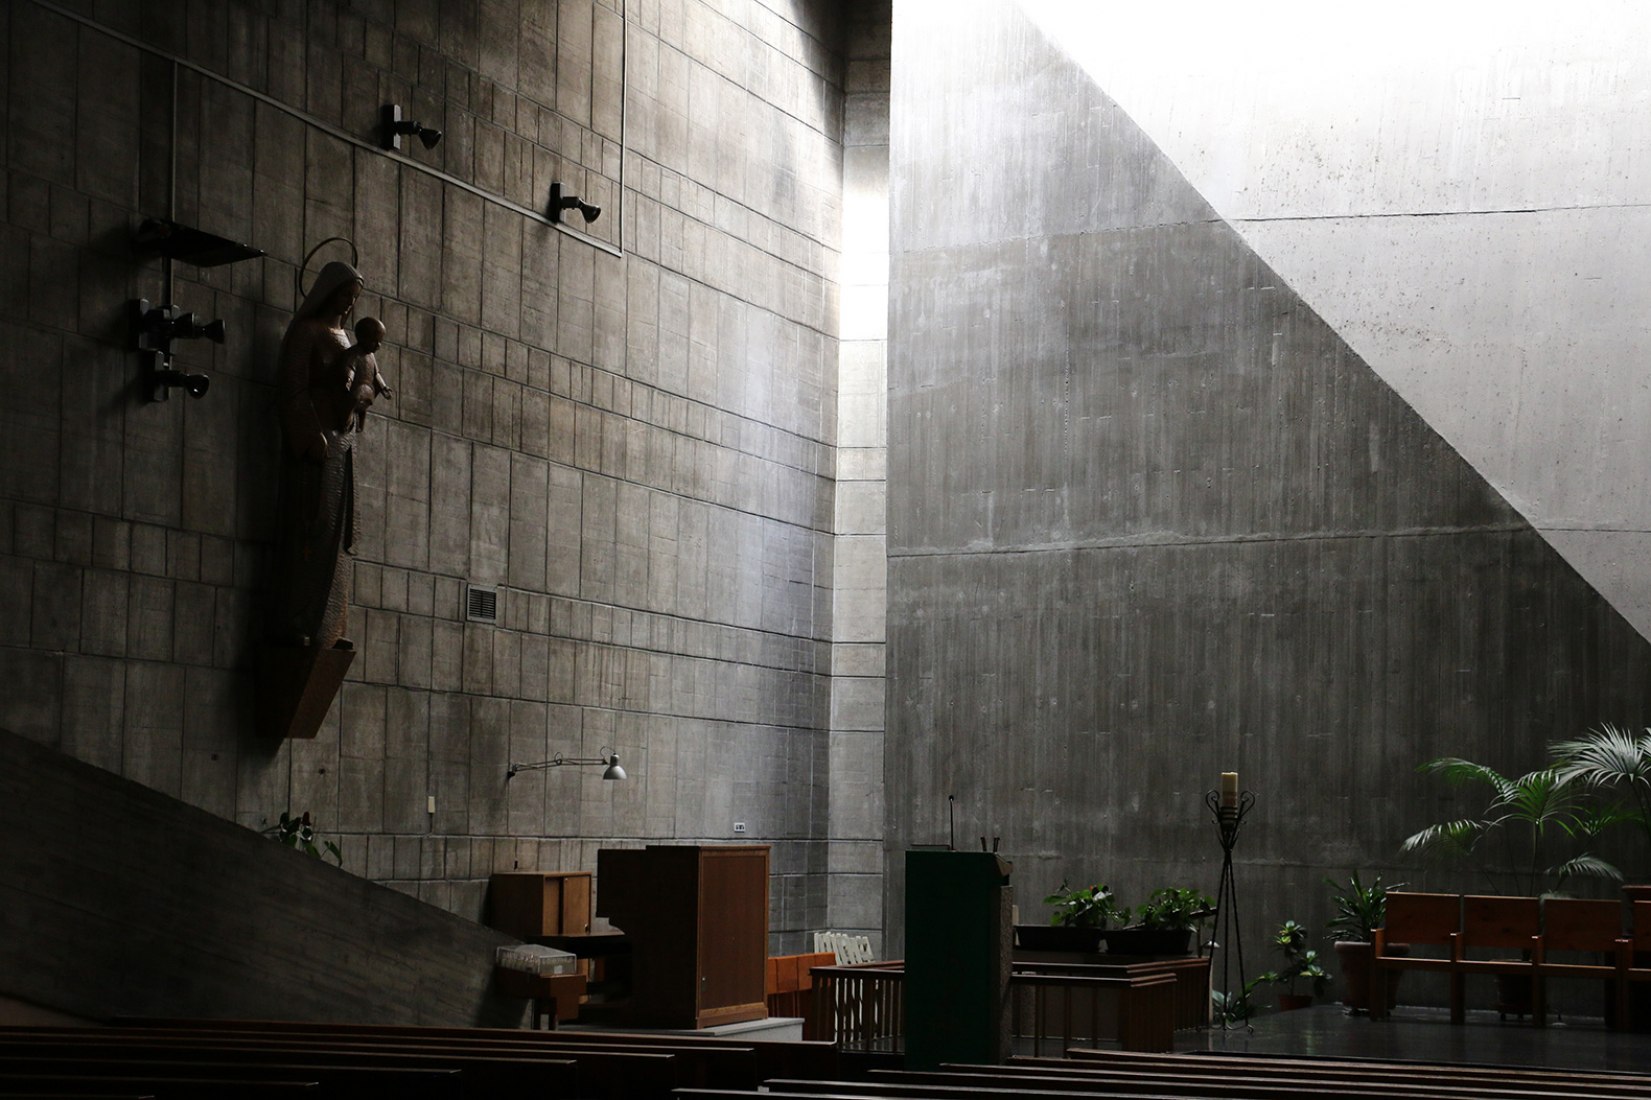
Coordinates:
(1360,910)
(1164,923)
(1076,919)
(1301,963)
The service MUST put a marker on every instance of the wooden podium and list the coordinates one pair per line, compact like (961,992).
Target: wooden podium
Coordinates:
(697,919)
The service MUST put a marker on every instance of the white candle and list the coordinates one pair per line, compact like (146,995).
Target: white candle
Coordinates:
(1229,790)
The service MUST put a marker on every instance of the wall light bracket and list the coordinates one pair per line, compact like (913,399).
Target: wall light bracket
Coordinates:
(153,330)
(609,761)
(392,126)
(560,202)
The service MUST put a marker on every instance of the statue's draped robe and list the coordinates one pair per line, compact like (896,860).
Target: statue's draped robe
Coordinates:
(315,523)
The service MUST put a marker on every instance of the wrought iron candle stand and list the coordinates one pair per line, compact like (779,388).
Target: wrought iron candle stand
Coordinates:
(1227,936)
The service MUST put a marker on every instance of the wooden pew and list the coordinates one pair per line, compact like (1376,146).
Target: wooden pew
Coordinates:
(1498,924)
(1573,927)
(1515,1080)
(771,1058)
(1252,1084)
(1418,920)
(509,1071)
(342,1082)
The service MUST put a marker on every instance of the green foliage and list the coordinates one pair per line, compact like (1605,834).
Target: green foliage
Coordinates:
(1527,814)
(1300,961)
(1611,760)
(1360,909)
(1233,1008)
(297,832)
(1086,907)
(1175,908)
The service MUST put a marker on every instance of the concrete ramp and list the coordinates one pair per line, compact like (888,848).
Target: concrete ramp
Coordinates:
(116,899)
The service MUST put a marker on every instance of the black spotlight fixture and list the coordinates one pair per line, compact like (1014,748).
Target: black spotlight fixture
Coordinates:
(154,329)
(560,202)
(392,126)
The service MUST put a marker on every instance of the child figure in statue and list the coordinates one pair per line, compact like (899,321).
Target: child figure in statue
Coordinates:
(366,383)
(324,385)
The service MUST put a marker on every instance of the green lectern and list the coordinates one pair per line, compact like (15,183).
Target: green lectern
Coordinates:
(958,941)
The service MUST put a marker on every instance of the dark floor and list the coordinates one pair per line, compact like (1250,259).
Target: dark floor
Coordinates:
(1426,1034)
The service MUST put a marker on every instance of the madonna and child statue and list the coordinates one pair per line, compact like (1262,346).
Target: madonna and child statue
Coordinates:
(326,379)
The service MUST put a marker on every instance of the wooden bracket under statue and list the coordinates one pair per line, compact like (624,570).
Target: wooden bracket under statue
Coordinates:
(296,686)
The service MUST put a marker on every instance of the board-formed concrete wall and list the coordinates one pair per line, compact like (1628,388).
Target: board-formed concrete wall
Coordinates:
(1456,190)
(1151,518)
(631,432)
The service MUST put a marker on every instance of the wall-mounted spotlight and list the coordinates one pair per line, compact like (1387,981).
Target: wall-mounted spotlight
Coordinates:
(560,202)
(153,330)
(609,761)
(392,126)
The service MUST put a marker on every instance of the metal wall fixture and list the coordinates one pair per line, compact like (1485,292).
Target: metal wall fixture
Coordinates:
(560,202)
(154,327)
(392,126)
(608,761)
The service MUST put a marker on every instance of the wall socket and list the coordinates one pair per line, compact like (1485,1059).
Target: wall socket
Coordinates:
(739,826)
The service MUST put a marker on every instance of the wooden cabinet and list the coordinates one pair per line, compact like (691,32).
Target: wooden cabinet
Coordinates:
(697,920)
(532,904)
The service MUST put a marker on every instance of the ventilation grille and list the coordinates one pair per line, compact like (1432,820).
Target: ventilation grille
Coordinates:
(481,604)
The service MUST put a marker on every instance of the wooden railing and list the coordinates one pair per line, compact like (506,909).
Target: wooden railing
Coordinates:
(861,1008)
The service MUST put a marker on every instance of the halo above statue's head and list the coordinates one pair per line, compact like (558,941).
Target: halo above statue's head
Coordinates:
(331,277)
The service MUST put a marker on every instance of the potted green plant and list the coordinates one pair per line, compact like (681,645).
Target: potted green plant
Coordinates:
(1076,920)
(1301,963)
(297,832)
(1164,923)
(1360,910)
(1530,813)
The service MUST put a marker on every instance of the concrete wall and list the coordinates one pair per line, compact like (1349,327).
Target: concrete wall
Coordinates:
(630,431)
(1458,191)
(1152,518)
(860,568)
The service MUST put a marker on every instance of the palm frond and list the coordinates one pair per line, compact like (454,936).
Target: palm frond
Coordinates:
(1608,756)
(1591,866)
(1456,837)
(1457,770)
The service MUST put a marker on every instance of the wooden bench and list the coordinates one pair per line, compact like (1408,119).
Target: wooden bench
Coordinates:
(742,1059)
(1514,1081)
(1519,937)
(1583,938)
(1417,920)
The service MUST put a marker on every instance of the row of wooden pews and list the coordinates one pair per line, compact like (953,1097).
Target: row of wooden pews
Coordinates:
(1124,1075)
(193,1059)
(1537,939)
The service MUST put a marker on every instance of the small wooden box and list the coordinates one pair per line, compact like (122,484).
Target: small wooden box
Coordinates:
(531,904)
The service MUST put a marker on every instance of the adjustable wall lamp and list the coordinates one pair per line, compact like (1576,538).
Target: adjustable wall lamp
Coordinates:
(392,126)
(608,758)
(560,202)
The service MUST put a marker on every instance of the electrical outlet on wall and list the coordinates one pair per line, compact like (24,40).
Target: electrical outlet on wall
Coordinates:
(739,826)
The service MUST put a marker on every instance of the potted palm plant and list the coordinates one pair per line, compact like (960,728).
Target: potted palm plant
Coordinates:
(1360,910)
(1538,816)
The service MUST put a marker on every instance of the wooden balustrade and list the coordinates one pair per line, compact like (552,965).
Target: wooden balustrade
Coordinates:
(861,1008)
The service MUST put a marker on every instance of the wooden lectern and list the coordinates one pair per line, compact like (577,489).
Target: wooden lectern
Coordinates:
(697,919)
